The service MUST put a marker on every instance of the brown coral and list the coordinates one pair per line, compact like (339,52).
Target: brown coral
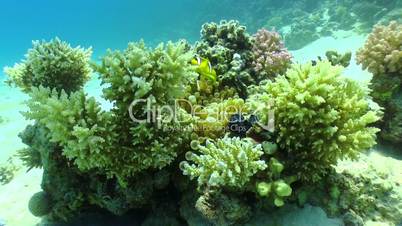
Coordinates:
(270,55)
(382,52)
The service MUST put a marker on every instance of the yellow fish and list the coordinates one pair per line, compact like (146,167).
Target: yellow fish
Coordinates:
(204,68)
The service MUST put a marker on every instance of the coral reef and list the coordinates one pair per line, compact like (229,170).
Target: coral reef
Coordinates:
(270,55)
(301,33)
(382,56)
(318,110)
(190,136)
(53,64)
(91,138)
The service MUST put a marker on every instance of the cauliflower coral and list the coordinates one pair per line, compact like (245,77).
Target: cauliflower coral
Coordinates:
(382,53)
(270,55)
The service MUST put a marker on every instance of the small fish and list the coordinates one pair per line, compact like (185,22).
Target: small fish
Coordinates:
(204,68)
(314,62)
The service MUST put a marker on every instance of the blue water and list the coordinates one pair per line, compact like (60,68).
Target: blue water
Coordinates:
(101,24)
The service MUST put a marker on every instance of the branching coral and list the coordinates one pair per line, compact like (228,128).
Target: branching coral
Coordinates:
(270,55)
(140,72)
(228,162)
(382,53)
(53,64)
(320,117)
(128,155)
(96,139)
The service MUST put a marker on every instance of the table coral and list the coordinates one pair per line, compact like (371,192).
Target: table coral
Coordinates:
(270,55)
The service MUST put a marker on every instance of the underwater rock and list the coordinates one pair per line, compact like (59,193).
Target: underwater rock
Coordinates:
(301,33)
(371,188)
(40,204)
(352,219)
(223,209)
(188,211)
(392,120)
(164,214)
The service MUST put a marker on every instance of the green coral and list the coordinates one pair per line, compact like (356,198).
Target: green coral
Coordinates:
(320,117)
(339,59)
(140,72)
(228,162)
(31,158)
(40,204)
(274,185)
(53,64)
(96,139)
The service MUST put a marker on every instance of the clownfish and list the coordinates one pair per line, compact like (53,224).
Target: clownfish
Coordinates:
(204,68)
